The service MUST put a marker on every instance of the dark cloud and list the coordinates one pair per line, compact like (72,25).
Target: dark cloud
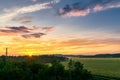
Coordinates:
(26,22)
(85,7)
(25,32)
(20,29)
(35,35)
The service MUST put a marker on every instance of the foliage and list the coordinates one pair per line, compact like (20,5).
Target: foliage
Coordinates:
(102,67)
(40,59)
(32,70)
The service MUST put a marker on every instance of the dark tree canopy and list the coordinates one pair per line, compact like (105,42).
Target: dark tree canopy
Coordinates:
(33,70)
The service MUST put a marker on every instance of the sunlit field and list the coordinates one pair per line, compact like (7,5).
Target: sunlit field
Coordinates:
(101,66)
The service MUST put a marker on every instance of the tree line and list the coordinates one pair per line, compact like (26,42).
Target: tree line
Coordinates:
(33,70)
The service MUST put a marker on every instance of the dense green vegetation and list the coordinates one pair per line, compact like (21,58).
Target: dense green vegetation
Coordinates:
(40,59)
(32,69)
(50,67)
(101,66)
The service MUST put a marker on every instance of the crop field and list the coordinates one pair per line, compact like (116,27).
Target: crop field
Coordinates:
(101,66)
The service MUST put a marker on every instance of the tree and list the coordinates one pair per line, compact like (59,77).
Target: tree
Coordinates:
(79,73)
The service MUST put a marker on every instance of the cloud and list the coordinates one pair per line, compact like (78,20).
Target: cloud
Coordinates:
(23,19)
(35,35)
(47,29)
(25,32)
(27,22)
(76,13)
(20,29)
(85,7)
(34,0)
(11,13)
(90,42)
(55,1)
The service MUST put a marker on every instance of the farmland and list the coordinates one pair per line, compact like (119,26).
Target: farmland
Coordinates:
(101,66)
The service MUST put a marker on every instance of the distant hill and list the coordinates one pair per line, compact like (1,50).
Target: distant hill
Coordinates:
(117,55)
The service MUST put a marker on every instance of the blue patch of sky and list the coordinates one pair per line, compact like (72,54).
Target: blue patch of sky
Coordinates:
(108,19)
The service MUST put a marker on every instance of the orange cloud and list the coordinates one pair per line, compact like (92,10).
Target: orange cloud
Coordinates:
(22,46)
(90,42)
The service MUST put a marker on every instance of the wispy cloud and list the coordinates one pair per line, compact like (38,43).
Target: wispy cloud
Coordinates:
(34,35)
(27,22)
(11,13)
(85,7)
(23,19)
(34,0)
(47,29)
(91,42)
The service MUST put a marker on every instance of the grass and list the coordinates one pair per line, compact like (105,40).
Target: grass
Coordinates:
(101,66)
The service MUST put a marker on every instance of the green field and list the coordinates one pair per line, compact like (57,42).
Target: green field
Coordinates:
(101,66)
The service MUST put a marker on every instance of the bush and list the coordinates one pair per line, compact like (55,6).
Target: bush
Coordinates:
(28,70)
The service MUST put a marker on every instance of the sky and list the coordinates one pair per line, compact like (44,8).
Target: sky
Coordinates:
(78,27)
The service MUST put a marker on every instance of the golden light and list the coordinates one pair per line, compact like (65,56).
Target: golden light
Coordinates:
(30,54)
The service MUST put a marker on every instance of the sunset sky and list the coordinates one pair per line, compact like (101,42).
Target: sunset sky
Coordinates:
(36,27)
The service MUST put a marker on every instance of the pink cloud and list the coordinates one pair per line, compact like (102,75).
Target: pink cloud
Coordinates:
(83,9)
(98,8)
(34,0)
(78,13)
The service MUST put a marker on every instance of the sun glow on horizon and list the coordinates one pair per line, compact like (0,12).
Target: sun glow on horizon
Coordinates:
(30,55)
